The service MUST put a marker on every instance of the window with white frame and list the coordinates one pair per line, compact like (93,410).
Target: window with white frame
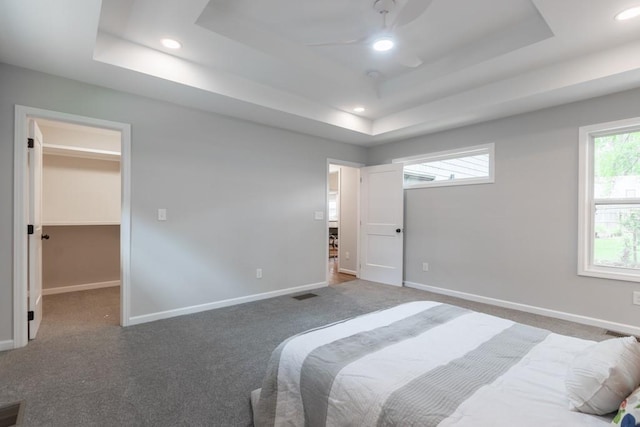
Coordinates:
(470,165)
(609,199)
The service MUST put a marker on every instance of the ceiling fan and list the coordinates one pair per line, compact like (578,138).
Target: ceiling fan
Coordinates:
(385,39)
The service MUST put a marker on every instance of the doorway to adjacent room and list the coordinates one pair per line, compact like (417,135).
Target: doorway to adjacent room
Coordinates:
(343,183)
(72,198)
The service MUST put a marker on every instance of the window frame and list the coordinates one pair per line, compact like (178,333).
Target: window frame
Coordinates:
(452,154)
(587,202)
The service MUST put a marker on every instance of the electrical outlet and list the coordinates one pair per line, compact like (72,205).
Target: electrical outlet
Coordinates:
(425,266)
(258,273)
(636,297)
(347,255)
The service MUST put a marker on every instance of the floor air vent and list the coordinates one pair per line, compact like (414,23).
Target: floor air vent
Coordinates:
(304,296)
(11,415)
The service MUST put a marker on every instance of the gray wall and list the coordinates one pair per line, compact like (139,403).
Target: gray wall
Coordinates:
(516,239)
(239,196)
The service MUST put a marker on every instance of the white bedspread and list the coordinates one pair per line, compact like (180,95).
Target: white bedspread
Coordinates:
(421,364)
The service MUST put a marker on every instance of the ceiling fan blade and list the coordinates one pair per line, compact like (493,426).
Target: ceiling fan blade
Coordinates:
(340,43)
(411,11)
(407,58)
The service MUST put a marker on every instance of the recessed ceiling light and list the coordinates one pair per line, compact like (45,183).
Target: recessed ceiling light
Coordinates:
(358,109)
(383,44)
(171,43)
(628,14)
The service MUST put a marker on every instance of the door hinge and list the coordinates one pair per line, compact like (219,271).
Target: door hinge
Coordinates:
(360,180)
(30,315)
(30,229)
(30,142)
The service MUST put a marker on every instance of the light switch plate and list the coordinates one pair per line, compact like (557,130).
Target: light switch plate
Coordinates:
(162,214)
(318,215)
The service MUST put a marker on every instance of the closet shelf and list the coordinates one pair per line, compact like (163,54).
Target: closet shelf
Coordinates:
(72,151)
(53,224)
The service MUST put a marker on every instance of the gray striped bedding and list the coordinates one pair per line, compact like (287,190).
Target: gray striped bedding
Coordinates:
(420,364)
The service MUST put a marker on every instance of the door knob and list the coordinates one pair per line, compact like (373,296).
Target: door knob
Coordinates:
(398,230)
(45,237)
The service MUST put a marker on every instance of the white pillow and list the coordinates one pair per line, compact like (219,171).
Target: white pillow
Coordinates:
(603,375)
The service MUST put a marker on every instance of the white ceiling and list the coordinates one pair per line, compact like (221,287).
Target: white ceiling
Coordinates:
(255,59)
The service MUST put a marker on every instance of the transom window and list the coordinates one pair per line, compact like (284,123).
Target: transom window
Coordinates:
(609,240)
(470,165)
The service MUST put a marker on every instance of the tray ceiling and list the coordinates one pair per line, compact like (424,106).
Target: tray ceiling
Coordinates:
(294,63)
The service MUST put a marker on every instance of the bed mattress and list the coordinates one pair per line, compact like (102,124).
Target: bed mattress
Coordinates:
(421,364)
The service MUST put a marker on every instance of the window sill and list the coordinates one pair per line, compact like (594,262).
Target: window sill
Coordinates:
(605,273)
(451,183)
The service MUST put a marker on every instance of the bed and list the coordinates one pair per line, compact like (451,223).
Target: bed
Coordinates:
(421,364)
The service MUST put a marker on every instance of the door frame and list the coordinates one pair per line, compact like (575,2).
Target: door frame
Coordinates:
(326,215)
(20,206)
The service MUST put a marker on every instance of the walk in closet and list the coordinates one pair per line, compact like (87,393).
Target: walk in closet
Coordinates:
(80,207)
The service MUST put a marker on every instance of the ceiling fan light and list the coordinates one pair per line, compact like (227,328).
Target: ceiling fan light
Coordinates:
(628,14)
(383,44)
(171,43)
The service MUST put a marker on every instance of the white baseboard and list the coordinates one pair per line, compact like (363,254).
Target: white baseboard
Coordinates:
(577,318)
(344,270)
(136,320)
(83,287)
(6,345)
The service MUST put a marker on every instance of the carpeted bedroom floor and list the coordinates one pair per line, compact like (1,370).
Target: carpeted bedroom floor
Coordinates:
(196,370)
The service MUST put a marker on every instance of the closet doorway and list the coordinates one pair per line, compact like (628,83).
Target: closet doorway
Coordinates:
(343,184)
(81,210)
(77,209)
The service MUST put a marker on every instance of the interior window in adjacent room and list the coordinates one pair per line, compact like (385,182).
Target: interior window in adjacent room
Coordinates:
(462,166)
(609,222)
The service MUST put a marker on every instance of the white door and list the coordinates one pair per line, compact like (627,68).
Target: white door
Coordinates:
(382,215)
(35,219)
